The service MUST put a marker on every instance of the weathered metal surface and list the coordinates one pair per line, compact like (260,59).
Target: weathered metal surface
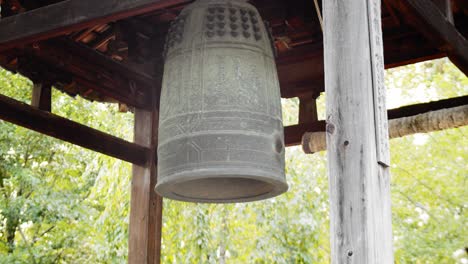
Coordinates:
(221,134)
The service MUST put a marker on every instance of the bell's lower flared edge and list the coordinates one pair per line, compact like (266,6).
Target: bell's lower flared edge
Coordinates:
(222,186)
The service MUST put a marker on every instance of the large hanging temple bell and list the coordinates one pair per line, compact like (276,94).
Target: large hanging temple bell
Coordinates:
(220,127)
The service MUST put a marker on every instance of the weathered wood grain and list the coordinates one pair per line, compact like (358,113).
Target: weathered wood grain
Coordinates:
(144,244)
(422,123)
(360,217)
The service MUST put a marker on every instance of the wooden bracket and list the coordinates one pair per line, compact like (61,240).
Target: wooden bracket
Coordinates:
(42,96)
(308,108)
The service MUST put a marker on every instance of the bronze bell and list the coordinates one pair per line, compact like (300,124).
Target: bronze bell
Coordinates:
(220,126)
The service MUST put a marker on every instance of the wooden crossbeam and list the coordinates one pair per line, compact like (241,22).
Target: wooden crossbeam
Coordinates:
(97,71)
(71,15)
(431,121)
(293,134)
(58,127)
(427,18)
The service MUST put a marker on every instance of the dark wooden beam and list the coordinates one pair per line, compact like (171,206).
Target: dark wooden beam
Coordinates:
(300,70)
(96,71)
(58,127)
(428,19)
(445,6)
(417,109)
(293,134)
(71,15)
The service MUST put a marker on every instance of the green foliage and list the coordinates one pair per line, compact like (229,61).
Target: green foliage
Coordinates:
(54,197)
(62,204)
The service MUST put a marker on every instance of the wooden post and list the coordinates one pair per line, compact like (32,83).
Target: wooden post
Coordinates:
(146,206)
(307,108)
(42,96)
(361,230)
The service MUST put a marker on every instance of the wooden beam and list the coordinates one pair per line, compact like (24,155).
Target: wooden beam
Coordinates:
(96,71)
(445,6)
(71,15)
(42,96)
(294,133)
(58,127)
(411,110)
(360,214)
(300,70)
(437,120)
(428,19)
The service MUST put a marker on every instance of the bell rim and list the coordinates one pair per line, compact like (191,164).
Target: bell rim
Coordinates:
(166,187)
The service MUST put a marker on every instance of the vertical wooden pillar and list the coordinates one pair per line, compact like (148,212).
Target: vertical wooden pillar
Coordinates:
(357,140)
(308,108)
(42,96)
(146,206)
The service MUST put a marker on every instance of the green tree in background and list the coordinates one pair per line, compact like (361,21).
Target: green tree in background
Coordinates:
(60,203)
(63,204)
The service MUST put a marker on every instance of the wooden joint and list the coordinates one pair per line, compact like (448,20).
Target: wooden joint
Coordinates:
(42,96)
(308,108)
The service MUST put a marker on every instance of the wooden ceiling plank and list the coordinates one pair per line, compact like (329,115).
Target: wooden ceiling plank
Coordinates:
(71,15)
(58,127)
